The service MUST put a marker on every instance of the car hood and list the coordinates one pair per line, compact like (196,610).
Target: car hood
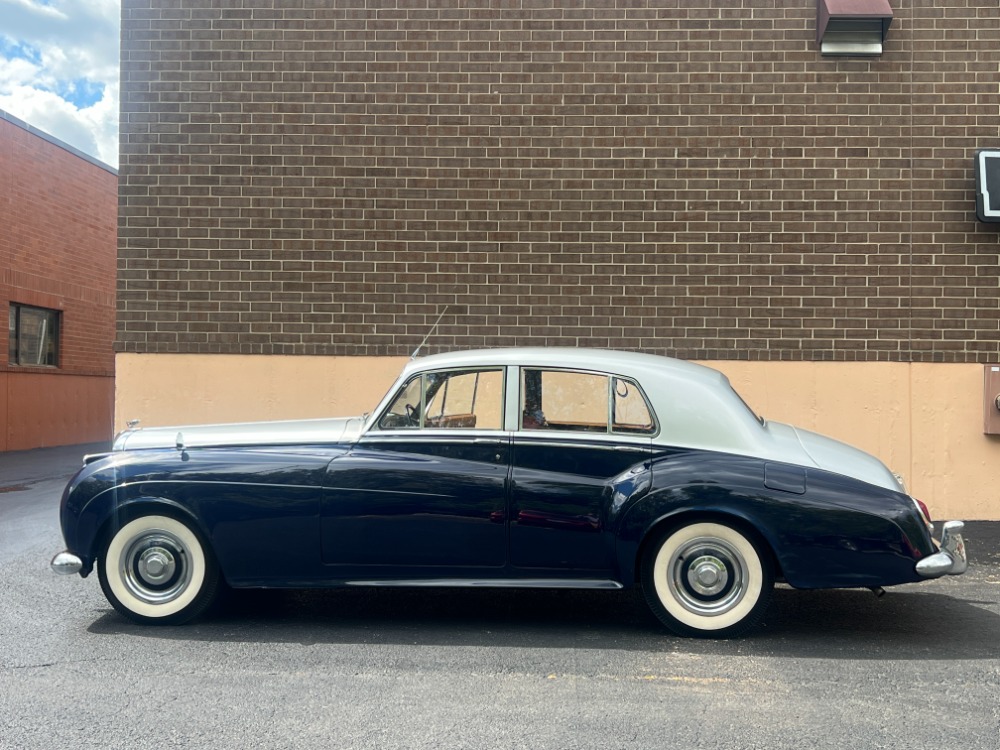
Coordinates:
(795,445)
(291,432)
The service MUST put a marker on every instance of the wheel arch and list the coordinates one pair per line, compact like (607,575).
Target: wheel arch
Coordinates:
(114,518)
(685,516)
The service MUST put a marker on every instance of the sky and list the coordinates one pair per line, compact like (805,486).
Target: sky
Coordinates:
(59,70)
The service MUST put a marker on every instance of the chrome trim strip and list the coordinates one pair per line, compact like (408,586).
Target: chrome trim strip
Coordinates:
(558,439)
(206,481)
(515,583)
(385,492)
(319,487)
(581,444)
(435,434)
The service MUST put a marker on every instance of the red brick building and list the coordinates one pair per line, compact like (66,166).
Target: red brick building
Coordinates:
(58,211)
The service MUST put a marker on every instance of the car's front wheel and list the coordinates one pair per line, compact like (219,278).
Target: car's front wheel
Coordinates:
(707,579)
(158,570)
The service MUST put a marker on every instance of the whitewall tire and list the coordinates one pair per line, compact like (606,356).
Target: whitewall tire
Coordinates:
(707,580)
(158,570)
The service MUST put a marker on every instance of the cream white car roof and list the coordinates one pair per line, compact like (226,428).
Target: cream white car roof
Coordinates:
(695,405)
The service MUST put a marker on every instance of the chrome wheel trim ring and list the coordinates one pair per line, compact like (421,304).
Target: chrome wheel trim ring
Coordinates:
(154,566)
(707,576)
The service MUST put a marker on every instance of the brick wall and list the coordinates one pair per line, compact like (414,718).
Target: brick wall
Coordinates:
(57,250)
(57,247)
(685,178)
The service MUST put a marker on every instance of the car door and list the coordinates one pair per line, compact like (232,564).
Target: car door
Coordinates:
(577,432)
(425,488)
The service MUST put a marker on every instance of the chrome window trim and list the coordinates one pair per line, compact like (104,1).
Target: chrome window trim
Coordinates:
(401,384)
(649,408)
(394,393)
(604,373)
(438,435)
(512,400)
(561,439)
(588,441)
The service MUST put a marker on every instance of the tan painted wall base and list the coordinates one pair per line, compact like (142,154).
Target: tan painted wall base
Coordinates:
(168,389)
(923,420)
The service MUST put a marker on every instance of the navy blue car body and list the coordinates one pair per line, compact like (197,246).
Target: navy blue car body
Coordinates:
(535,468)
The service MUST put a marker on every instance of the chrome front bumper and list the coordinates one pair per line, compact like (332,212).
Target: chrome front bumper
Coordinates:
(66,563)
(950,559)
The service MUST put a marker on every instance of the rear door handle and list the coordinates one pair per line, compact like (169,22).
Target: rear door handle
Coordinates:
(491,441)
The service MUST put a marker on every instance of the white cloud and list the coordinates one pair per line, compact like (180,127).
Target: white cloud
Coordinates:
(93,129)
(59,70)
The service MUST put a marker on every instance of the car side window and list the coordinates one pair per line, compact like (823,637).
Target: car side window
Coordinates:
(629,411)
(464,400)
(459,399)
(582,402)
(556,400)
(404,411)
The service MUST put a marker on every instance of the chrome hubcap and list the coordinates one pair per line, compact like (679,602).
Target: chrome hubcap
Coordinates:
(154,566)
(707,576)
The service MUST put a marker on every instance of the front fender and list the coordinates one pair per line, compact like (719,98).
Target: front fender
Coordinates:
(78,522)
(115,507)
(258,509)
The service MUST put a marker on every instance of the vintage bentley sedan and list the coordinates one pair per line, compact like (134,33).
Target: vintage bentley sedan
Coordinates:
(554,468)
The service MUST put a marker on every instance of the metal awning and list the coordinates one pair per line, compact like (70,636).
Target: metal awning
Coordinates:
(852,28)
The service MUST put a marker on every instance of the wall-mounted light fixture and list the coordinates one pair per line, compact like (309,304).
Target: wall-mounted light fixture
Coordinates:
(852,28)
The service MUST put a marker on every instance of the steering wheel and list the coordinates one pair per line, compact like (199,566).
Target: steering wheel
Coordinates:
(411,415)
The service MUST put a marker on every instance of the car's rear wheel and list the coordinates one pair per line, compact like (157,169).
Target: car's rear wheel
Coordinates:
(158,570)
(707,579)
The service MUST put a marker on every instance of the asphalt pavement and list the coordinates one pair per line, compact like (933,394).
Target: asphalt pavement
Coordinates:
(918,668)
(19,468)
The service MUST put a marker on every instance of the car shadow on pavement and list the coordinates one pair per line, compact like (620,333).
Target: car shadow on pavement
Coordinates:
(839,624)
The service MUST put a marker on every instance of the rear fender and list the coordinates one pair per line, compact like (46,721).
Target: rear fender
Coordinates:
(662,510)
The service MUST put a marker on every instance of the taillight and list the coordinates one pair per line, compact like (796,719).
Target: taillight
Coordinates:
(924,514)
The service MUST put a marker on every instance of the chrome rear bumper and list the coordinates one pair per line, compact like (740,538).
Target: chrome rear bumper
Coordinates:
(950,559)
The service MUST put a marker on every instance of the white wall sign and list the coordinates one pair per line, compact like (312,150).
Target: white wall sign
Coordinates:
(988,185)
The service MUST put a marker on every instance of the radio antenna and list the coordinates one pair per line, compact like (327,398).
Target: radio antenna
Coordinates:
(429,333)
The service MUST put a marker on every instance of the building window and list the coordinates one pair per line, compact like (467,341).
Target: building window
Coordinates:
(34,336)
